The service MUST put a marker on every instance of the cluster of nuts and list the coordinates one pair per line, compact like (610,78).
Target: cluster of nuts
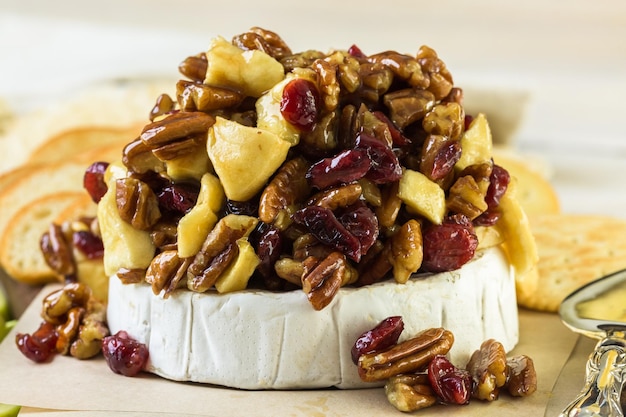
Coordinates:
(418,375)
(74,323)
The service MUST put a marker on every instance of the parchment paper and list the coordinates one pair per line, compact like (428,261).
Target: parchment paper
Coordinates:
(88,387)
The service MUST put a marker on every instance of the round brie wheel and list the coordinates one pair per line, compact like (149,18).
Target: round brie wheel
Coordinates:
(262,340)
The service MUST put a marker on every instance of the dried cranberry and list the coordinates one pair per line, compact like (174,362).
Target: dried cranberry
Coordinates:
(498,184)
(89,244)
(246,208)
(384,335)
(396,136)
(268,243)
(178,198)
(347,166)
(468,121)
(93,180)
(385,166)
(123,354)
(356,52)
(41,345)
(361,221)
(487,218)
(440,158)
(322,223)
(300,104)
(450,245)
(451,384)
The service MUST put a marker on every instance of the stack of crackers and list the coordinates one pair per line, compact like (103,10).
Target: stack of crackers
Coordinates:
(44,155)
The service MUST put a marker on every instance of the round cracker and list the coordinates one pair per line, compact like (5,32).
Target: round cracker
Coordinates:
(574,249)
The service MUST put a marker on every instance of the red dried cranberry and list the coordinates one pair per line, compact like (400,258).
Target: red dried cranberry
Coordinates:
(384,167)
(300,104)
(93,180)
(347,166)
(178,198)
(396,136)
(123,354)
(488,218)
(322,223)
(468,121)
(361,221)
(41,345)
(450,245)
(89,244)
(451,384)
(384,335)
(246,208)
(356,52)
(498,184)
(442,160)
(268,243)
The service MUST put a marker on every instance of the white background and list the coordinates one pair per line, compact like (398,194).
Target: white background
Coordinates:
(568,56)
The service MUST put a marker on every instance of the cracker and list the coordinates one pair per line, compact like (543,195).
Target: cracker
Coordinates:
(534,190)
(574,249)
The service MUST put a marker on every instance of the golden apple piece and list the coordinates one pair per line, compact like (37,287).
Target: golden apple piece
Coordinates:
(194,226)
(269,116)
(422,196)
(476,143)
(250,72)
(124,246)
(243,157)
(236,276)
(519,241)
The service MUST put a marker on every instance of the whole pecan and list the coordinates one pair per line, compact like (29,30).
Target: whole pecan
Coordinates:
(218,251)
(412,355)
(322,279)
(288,187)
(194,96)
(406,252)
(57,251)
(136,203)
(488,368)
(174,127)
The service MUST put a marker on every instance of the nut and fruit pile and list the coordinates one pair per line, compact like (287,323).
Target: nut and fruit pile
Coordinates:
(417,373)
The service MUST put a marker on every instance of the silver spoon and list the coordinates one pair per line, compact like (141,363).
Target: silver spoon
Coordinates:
(598,310)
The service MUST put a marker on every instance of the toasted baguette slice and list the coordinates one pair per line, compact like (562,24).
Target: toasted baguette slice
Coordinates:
(118,103)
(82,142)
(37,182)
(20,253)
(574,249)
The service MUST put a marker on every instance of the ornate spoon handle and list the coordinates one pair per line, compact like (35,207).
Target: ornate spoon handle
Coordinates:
(605,378)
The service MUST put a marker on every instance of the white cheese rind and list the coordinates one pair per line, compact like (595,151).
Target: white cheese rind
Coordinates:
(261,340)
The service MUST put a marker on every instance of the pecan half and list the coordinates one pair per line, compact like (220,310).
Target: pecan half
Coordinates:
(194,96)
(57,251)
(136,203)
(218,251)
(194,67)
(288,187)
(335,197)
(488,369)
(406,252)
(410,392)
(166,271)
(174,127)
(322,279)
(521,376)
(412,355)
